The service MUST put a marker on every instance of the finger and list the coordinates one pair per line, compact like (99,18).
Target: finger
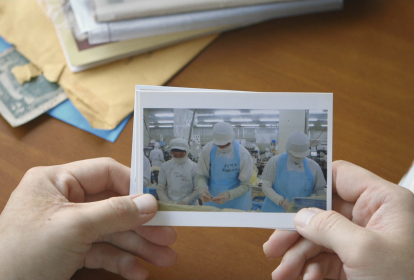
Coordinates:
(324,265)
(100,196)
(135,244)
(341,206)
(87,177)
(164,236)
(349,181)
(279,242)
(295,258)
(331,230)
(110,258)
(113,215)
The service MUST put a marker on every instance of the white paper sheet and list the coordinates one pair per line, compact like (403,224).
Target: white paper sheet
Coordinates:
(151,26)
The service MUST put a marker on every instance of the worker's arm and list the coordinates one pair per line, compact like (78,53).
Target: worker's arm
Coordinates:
(202,187)
(162,186)
(240,190)
(269,177)
(162,193)
(161,156)
(271,194)
(189,199)
(320,183)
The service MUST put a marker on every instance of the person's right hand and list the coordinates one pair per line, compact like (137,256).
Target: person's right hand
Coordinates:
(369,236)
(205,195)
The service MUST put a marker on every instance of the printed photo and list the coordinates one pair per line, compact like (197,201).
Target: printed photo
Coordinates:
(234,160)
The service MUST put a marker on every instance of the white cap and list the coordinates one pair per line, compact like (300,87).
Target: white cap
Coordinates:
(157,145)
(179,144)
(298,144)
(222,133)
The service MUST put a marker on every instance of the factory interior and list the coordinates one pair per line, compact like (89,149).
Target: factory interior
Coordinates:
(256,130)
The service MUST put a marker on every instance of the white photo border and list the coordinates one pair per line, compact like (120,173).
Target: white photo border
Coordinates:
(151,97)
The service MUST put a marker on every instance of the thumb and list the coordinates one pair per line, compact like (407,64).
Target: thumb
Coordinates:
(116,214)
(328,228)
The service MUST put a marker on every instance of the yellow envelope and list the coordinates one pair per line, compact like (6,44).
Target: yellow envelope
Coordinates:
(104,95)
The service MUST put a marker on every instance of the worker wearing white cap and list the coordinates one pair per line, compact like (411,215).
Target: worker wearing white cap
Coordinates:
(147,174)
(225,168)
(178,176)
(268,154)
(156,157)
(291,175)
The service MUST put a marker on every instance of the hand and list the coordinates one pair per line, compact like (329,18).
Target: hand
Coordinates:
(285,204)
(205,195)
(53,224)
(222,198)
(371,236)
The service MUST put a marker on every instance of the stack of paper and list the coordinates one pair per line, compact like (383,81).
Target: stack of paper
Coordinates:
(139,26)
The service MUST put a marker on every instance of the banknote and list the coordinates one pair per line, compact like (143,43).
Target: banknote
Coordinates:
(22,103)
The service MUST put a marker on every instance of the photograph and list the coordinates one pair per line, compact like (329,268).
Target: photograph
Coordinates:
(234,161)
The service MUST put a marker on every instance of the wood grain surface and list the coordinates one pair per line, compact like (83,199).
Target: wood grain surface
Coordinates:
(364,54)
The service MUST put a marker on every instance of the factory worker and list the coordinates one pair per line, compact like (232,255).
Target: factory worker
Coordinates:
(178,176)
(268,154)
(156,157)
(224,169)
(147,174)
(255,148)
(291,175)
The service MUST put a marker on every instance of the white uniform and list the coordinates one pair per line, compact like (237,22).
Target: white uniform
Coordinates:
(176,182)
(156,157)
(246,167)
(257,150)
(269,177)
(147,172)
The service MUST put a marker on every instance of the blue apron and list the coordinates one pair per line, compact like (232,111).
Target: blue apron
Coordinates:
(289,184)
(224,176)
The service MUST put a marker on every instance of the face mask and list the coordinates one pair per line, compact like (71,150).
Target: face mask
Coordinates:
(180,161)
(226,149)
(296,160)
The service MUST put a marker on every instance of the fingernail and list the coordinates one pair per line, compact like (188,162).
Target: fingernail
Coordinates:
(304,216)
(146,204)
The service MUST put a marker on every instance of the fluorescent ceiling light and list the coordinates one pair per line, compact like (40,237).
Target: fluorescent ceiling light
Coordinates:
(324,125)
(318,111)
(204,115)
(164,126)
(311,124)
(241,120)
(269,120)
(264,112)
(313,119)
(250,125)
(271,125)
(164,115)
(151,126)
(204,125)
(165,121)
(213,120)
(227,112)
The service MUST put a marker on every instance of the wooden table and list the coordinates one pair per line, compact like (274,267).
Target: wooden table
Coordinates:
(364,54)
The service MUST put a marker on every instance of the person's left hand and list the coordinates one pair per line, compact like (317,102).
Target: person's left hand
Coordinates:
(285,204)
(221,198)
(53,224)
